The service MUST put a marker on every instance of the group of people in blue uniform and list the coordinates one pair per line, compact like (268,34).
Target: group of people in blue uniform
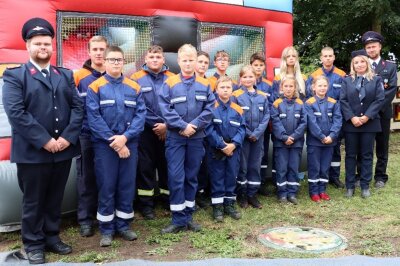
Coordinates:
(171,134)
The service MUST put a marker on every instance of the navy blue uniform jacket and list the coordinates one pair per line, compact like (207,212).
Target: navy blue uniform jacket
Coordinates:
(39,111)
(370,105)
(388,72)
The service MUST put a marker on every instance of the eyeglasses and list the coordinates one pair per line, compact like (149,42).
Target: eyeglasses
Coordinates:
(115,60)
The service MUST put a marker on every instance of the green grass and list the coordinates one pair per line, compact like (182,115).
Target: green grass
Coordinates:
(371,226)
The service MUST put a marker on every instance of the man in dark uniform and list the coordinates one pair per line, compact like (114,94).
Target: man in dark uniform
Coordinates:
(387,70)
(45,113)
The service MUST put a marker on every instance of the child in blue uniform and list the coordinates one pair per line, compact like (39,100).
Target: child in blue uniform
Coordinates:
(289,122)
(256,111)
(116,115)
(186,102)
(324,121)
(225,136)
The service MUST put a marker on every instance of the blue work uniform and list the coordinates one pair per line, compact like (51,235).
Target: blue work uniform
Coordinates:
(324,119)
(358,97)
(289,119)
(183,101)
(227,126)
(86,178)
(256,112)
(115,106)
(151,148)
(335,77)
(265,85)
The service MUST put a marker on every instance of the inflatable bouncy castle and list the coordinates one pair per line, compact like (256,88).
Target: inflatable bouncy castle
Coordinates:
(240,27)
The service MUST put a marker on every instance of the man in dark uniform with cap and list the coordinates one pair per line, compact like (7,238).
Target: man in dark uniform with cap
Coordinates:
(45,113)
(387,70)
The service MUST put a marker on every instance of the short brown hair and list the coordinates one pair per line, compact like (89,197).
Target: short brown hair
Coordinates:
(203,53)
(257,56)
(97,38)
(221,53)
(113,48)
(223,79)
(155,49)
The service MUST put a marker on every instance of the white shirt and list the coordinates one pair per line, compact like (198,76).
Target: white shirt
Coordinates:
(39,68)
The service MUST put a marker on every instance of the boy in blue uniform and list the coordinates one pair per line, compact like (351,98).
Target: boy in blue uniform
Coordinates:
(186,104)
(324,121)
(152,140)
(92,69)
(116,115)
(335,77)
(289,122)
(257,61)
(256,111)
(221,63)
(225,136)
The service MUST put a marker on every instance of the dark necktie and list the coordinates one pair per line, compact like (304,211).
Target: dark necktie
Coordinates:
(374,65)
(47,75)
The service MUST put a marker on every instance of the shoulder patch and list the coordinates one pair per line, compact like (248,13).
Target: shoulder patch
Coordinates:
(267,81)
(331,100)
(81,74)
(132,84)
(299,101)
(317,73)
(173,80)
(311,100)
(237,108)
(339,72)
(261,93)
(277,102)
(237,93)
(95,85)
(202,81)
(169,73)
(137,75)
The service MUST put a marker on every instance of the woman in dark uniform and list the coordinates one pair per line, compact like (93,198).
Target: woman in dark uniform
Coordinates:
(361,99)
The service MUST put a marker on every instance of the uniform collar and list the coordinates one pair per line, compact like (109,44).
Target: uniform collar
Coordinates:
(221,103)
(376,61)
(88,65)
(327,72)
(114,80)
(38,67)
(148,70)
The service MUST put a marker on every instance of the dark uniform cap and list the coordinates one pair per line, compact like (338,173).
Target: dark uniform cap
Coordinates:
(358,52)
(37,26)
(371,36)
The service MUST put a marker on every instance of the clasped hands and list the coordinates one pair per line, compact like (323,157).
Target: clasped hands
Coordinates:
(118,145)
(58,145)
(359,120)
(188,131)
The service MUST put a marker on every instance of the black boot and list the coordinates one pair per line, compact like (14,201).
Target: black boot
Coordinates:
(218,212)
(230,210)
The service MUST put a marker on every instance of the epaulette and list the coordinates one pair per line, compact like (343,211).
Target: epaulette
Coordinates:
(311,100)
(95,85)
(277,102)
(202,81)
(339,72)
(331,100)
(237,93)
(173,80)
(137,75)
(267,81)
(131,83)
(237,108)
(261,93)
(299,101)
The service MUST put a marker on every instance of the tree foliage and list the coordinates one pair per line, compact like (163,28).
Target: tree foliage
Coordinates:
(340,25)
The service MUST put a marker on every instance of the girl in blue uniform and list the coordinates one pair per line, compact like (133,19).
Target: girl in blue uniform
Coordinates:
(324,121)
(225,135)
(255,106)
(289,122)
(116,115)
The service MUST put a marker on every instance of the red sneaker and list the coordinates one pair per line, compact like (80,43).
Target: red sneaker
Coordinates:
(315,198)
(324,196)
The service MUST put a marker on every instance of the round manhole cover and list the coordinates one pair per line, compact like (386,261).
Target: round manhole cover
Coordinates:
(302,239)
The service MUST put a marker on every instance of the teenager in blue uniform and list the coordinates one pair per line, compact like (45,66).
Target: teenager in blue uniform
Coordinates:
(256,112)
(221,63)
(361,99)
(152,140)
(45,114)
(202,196)
(289,122)
(92,69)
(116,115)
(335,77)
(186,103)
(388,72)
(324,121)
(257,61)
(225,136)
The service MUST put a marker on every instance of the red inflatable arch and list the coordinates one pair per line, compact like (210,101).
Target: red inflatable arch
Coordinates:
(241,27)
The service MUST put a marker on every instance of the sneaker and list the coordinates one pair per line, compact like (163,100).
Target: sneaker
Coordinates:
(365,193)
(242,200)
(315,198)
(86,230)
(293,200)
(254,202)
(379,184)
(349,193)
(106,240)
(218,213)
(193,226)
(283,199)
(128,235)
(230,210)
(324,196)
